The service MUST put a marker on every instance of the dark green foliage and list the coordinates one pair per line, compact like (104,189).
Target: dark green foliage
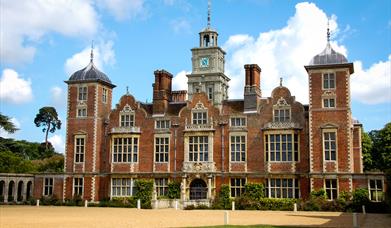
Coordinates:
(377,149)
(47,118)
(174,190)
(197,207)
(223,199)
(7,124)
(360,197)
(144,192)
(19,156)
(11,163)
(276,204)
(254,191)
(321,193)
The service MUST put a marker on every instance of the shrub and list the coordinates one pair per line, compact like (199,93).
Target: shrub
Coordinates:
(276,204)
(254,191)
(144,192)
(223,200)
(360,197)
(174,190)
(321,193)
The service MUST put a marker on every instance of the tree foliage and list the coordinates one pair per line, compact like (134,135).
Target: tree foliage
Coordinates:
(47,118)
(379,155)
(6,124)
(174,190)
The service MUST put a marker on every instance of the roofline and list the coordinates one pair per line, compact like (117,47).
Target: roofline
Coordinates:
(87,81)
(328,66)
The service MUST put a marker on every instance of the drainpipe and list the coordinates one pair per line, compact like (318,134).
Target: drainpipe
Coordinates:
(175,126)
(222,124)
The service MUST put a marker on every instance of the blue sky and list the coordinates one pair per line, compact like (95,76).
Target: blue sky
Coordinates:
(43,42)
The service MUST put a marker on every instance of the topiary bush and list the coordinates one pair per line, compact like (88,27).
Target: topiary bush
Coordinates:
(174,190)
(144,192)
(223,199)
(276,204)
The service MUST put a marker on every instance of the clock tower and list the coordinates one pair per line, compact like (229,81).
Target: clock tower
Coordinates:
(208,67)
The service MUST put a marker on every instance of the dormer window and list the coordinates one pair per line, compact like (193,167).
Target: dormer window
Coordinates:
(329,81)
(127,117)
(82,93)
(162,124)
(238,122)
(200,117)
(281,111)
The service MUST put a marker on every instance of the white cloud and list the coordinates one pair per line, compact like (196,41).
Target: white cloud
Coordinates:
(24,23)
(14,89)
(372,86)
(103,55)
(5,134)
(282,52)
(180,26)
(58,97)
(123,9)
(179,82)
(58,143)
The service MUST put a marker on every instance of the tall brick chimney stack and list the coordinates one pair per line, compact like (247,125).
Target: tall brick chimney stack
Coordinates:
(161,91)
(252,88)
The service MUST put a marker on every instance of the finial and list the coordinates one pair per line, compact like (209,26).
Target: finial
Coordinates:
(209,6)
(127,90)
(92,51)
(280,81)
(328,31)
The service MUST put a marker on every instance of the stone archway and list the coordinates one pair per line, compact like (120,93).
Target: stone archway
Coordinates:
(29,190)
(19,194)
(198,189)
(2,191)
(11,189)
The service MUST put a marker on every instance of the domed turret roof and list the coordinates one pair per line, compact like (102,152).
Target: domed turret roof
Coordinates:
(328,56)
(89,73)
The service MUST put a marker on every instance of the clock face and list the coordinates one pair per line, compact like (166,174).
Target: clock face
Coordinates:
(204,62)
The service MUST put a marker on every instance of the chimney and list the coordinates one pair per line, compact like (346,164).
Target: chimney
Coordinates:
(252,88)
(161,91)
(178,96)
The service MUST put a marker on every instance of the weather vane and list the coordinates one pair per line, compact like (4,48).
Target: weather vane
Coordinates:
(209,8)
(92,50)
(328,30)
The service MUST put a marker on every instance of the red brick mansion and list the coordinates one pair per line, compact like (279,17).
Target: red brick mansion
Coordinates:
(202,139)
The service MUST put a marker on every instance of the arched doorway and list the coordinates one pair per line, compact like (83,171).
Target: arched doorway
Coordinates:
(20,191)
(2,188)
(198,189)
(11,187)
(28,190)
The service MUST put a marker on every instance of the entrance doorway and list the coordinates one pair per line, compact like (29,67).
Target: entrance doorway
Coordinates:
(198,189)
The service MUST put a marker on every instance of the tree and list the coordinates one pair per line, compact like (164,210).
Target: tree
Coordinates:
(367,145)
(47,118)
(381,149)
(6,124)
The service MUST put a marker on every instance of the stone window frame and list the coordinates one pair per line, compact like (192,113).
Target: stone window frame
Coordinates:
(187,136)
(82,93)
(81,111)
(133,154)
(79,155)
(237,190)
(104,95)
(161,186)
(328,73)
(238,134)
(282,132)
(165,154)
(198,144)
(166,123)
(376,189)
(49,187)
(283,190)
(199,109)
(78,187)
(241,119)
(127,187)
(327,131)
(210,92)
(282,105)
(331,188)
(127,111)
(328,99)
